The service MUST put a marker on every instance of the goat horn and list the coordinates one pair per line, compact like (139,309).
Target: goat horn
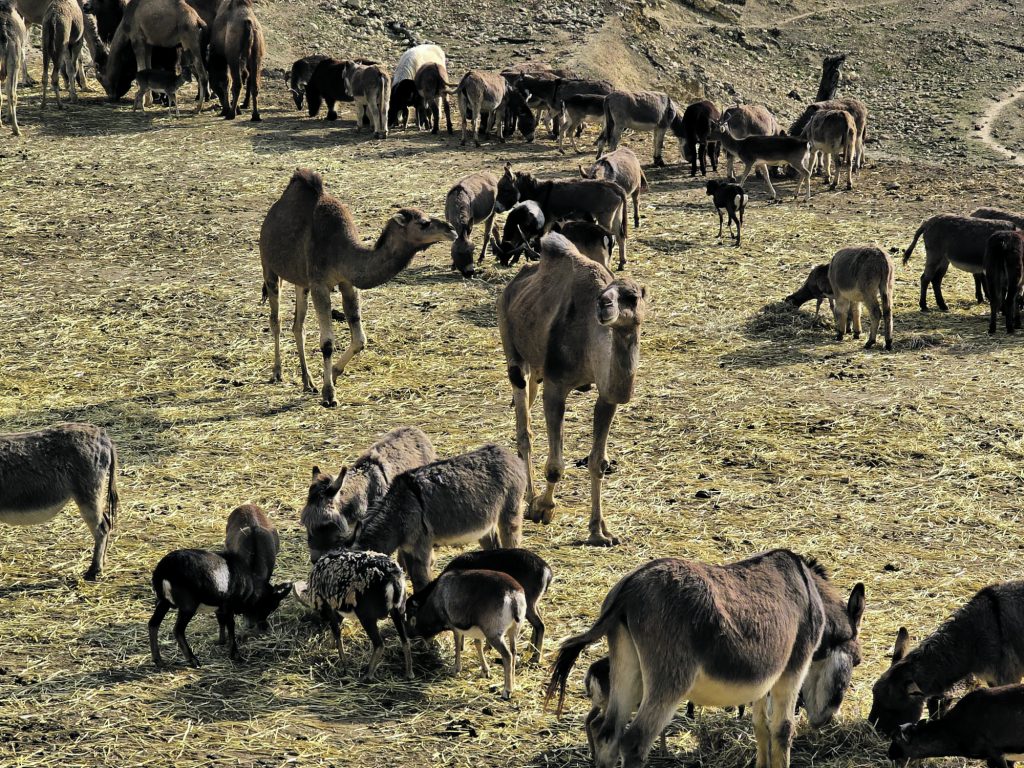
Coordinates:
(526,245)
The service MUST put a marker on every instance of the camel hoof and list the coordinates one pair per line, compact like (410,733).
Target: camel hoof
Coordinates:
(870,344)
(600,540)
(310,389)
(329,403)
(541,511)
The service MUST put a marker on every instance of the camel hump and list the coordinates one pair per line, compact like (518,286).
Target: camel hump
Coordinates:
(311,179)
(554,245)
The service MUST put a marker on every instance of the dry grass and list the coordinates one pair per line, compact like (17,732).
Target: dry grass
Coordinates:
(129,288)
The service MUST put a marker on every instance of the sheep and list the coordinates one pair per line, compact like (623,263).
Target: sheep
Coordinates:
(863,274)
(161,81)
(986,724)
(41,471)
(528,569)
(232,582)
(833,132)
(298,77)
(697,144)
(479,604)
(524,225)
(476,496)
(63,37)
(622,167)
(335,505)
(370,86)
(13,43)
(471,200)
(367,585)
(733,199)
(403,87)
(1004,276)
(952,239)
(575,111)
(744,121)
(432,86)
(591,239)
(762,151)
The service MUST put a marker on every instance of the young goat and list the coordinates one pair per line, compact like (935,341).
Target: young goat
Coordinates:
(367,585)
(476,496)
(479,604)
(161,81)
(1004,278)
(987,724)
(732,199)
(528,569)
(523,228)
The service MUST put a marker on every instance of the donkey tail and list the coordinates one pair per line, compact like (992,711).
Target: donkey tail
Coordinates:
(910,248)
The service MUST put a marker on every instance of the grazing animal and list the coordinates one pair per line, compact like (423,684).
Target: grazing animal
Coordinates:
(367,585)
(13,43)
(523,228)
(733,200)
(403,97)
(336,505)
(984,638)
(832,132)
(957,240)
(41,471)
(864,274)
(597,684)
(404,93)
(327,85)
(63,37)
(250,530)
(370,86)
(473,199)
(299,76)
(481,605)
(237,50)
(697,145)
(986,724)
(432,86)
(762,151)
(567,323)
(575,111)
(854,107)
(479,92)
(528,569)
(547,92)
(230,582)
(720,636)
(1000,215)
(623,167)
(475,496)
(161,81)
(816,286)
(310,240)
(641,111)
(1004,277)
(591,240)
(744,121)
(599,199)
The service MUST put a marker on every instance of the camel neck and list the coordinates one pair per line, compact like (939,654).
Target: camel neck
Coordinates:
(370,267)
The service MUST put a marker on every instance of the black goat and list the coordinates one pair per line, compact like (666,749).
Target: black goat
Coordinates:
(733,199)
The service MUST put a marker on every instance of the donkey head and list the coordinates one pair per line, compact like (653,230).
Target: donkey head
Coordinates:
(832,666)
(816,286)
(508,190)
(896,698)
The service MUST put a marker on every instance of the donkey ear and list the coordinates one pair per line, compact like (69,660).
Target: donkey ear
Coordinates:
(508,169)
(902,645)
(855,607)
(338,481)
(316,471)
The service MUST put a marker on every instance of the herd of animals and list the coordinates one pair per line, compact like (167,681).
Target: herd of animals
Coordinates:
(771,630)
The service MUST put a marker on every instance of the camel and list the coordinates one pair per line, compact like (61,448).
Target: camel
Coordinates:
(63,37)
(149,24)
(32,12)
(565,322)
(237,49)
(310,240)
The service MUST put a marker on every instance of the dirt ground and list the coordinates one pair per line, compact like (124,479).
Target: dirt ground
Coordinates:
(130,291)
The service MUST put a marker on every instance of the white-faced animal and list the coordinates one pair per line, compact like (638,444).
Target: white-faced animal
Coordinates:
(730,198)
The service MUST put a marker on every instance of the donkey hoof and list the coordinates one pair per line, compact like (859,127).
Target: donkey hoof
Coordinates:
(92,574)
(329,402)
(506,695)
(888,345)
(310,389)
(870,344)
(256,118)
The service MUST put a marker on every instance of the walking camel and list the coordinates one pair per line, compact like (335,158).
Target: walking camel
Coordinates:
(309,240)
(565,322)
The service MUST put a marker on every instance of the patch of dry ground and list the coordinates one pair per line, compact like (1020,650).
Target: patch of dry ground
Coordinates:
(129,288)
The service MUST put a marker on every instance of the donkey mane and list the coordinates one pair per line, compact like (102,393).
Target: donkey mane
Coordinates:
(815,567)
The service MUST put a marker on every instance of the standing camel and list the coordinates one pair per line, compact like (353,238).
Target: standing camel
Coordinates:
(237,49)
(565,322)
(309,240)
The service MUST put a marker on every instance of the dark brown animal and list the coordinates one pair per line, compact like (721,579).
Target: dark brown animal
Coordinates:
(432,86)
(1004,278)
(698,146)
(237,50)
(298,77)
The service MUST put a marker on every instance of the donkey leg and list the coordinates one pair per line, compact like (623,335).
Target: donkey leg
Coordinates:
(508,663)
(839,312)
(298,331)
(350,302)
(784,695)
(554,416)
(522,400)
(485,668)
(91,511)
(855,314)
(597,464)
(488,226)
(460,640)
(762,734)
(626,689)
(533,616)
(322,304)
(875,314)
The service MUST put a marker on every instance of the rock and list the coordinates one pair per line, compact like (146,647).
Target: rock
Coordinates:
(795,95)
(894,186)
(359,21)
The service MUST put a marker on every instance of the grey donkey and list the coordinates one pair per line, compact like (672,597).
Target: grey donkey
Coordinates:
(761,628)
(40,472)
(335,505)
(476,496)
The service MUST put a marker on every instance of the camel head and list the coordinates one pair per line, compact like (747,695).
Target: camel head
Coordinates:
(415,229)
(623,304)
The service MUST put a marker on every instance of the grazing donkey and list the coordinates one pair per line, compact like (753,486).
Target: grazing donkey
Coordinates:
(623,167)
(957,240)
(641,111)
(1004,278)
(473,199)
(13,42)
(370,86)
(719,636)
(987,724)
(816,286)
(476,496)
(984,638)
(697,144)
(40,472)
(335,505)
(863,274)
(479,93)
(63,38)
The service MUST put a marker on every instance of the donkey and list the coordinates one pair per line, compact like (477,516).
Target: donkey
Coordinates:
(832,132)
(370,86)
(575,111)
(1004,278)
(473,199)
(697,145)
(816,286)
(40,472)
(299,76)
(854,107)
(623,167)
(478,93)
(984,638)
(719,636)
(641,111)
(863,274)
(13,42)
(432,86)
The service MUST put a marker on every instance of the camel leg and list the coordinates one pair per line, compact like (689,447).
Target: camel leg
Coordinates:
(322,305)
(350,301)
(272,286)
(597,464)
(522,399)
(298,331)
(554,415)
(488,226)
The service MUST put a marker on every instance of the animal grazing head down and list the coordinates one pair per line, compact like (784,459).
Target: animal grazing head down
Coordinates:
(462,256)
(330,516)
(831,669)
(816,286)
(269,601)
(623,304)
(896,698)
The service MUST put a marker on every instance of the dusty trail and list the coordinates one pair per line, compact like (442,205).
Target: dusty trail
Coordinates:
(988,120)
